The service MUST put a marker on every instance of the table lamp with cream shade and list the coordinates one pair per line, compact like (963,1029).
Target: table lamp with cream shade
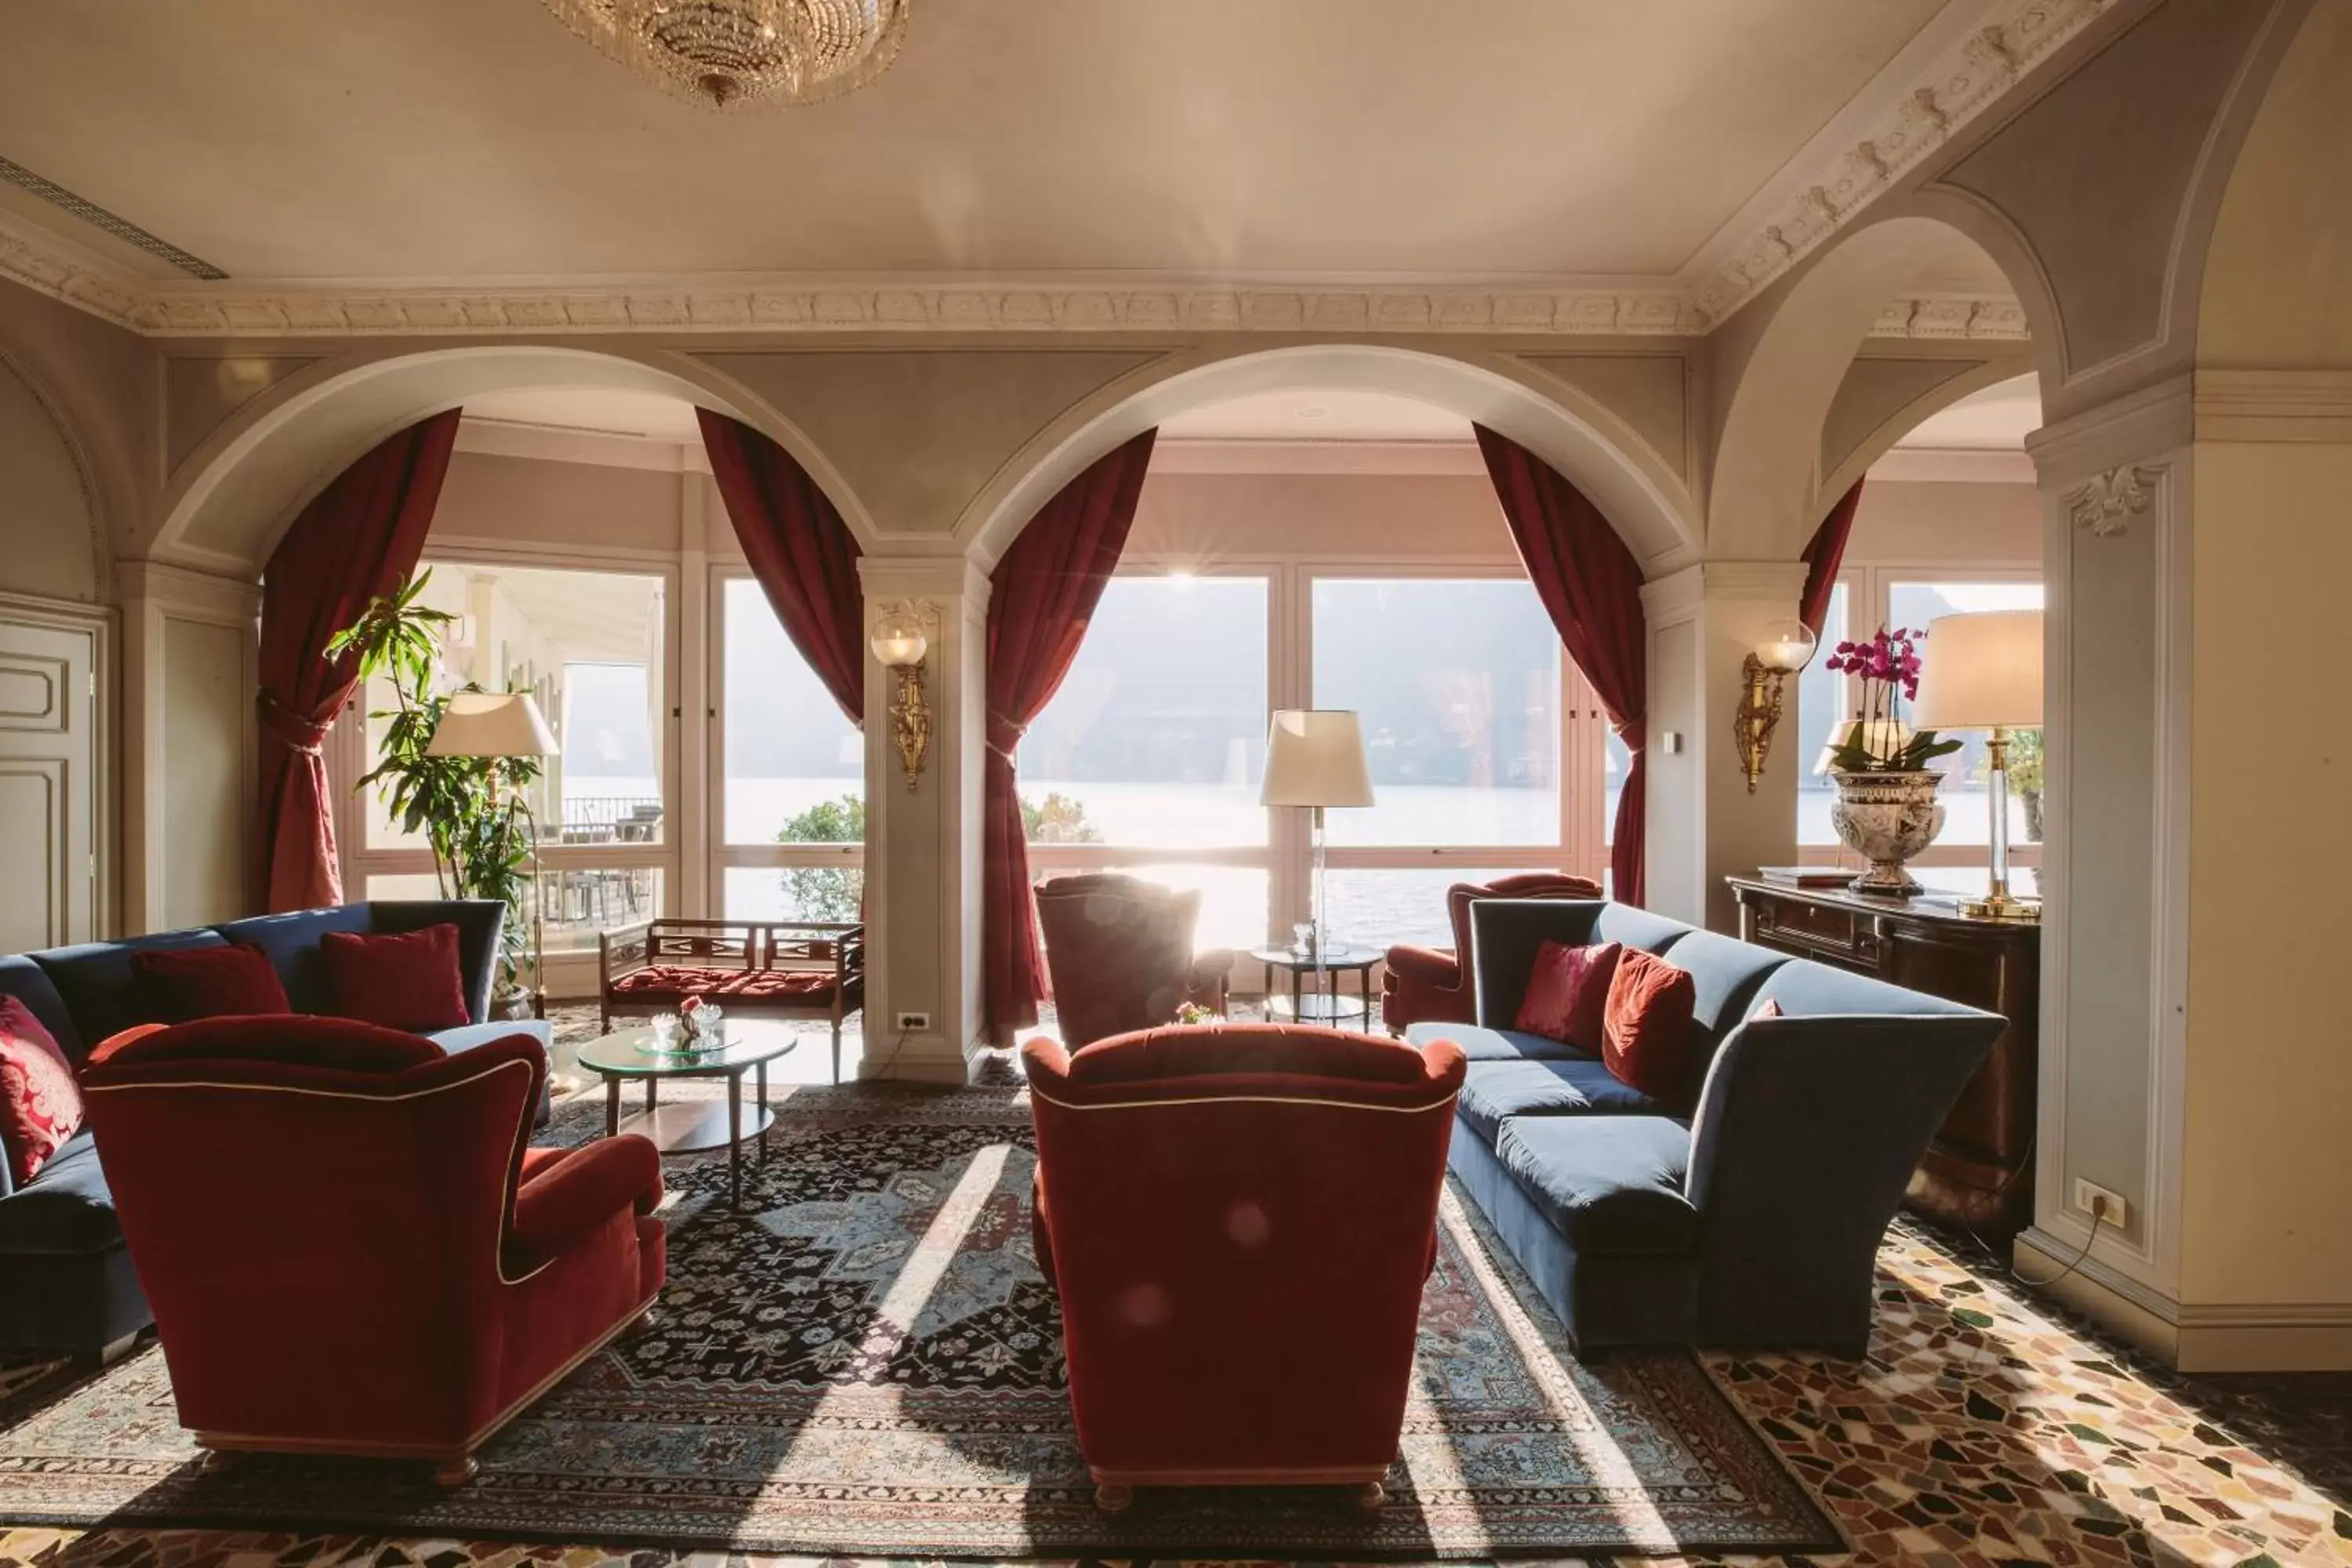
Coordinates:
(502,724)
(1315,758)
(1984,672)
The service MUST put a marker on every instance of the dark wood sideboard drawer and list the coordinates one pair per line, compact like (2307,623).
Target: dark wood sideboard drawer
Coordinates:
(1845,935)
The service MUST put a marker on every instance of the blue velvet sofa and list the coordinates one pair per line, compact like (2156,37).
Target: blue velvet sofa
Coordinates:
(1751,1215)
(67,1285)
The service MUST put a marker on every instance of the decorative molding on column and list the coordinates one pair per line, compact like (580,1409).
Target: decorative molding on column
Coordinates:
(2106,505)
(1677,596)
(892,577)
(2083,446)
(202,596)
(1974,317)
(2280,406)
(1867,150)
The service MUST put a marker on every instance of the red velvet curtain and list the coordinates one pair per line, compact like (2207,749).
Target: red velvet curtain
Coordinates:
(803,553)
(1592,587)
(1824,556)
(1041,596)
(358,539)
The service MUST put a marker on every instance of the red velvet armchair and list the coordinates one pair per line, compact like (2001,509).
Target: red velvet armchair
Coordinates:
(1238,1220)
(349,1246)
(1120,951)
(1423,985)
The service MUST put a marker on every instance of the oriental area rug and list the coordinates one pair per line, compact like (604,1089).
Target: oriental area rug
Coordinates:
(866,1360)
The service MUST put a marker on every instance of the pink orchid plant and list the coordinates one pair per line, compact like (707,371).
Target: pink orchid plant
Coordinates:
(1888,666)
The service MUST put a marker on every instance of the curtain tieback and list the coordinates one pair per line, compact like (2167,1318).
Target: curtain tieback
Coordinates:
(296,731)
(1004,736)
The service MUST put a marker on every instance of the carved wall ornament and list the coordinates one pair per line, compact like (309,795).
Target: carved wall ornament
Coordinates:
(2106,505)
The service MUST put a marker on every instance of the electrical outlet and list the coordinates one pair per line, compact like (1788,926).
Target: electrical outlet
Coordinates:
(2093,1199)
(910,1022)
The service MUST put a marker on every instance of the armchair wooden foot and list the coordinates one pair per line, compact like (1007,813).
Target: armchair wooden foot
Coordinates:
(1113,1498)
(451,1474)
(1371,1497)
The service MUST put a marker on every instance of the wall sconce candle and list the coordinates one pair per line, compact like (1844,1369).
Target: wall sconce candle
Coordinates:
(1786,648)
(900,643)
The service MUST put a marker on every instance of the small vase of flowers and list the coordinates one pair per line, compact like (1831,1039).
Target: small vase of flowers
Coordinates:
(1887,811)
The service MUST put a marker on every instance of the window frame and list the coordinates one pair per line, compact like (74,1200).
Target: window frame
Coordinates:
(1580,847)
(1869,593)
(348,758)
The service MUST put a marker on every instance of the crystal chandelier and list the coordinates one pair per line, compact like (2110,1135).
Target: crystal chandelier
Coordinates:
(729,53)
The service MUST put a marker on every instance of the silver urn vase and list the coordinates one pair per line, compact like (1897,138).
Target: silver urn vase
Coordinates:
(1887,818)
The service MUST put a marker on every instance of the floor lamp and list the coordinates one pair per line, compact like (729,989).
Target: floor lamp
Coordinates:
(1315,758)
(505,724)
(1984,672)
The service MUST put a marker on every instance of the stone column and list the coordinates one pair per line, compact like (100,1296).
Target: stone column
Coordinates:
(1704,823)
(191,644)
(2193,1024)
(923,843)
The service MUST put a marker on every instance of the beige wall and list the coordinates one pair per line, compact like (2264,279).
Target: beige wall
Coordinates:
(51,547)
(568,505)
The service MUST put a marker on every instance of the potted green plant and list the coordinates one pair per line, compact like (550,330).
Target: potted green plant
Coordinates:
(470,811)
(1887,811)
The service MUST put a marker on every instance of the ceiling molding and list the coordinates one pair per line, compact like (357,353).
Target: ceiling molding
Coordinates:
(831,306)
(1903,115)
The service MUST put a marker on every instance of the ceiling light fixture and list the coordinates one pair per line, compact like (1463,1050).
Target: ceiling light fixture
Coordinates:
(729,54)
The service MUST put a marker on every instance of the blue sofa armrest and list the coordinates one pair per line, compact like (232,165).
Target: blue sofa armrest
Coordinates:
(480,924)
(1807,1132)
(1506,932)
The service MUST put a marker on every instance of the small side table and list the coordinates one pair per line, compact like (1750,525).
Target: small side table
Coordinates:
(688,1128)
(1327,1005)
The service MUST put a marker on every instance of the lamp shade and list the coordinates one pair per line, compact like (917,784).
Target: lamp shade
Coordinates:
(1315,756)
(491,724)
(1981,673)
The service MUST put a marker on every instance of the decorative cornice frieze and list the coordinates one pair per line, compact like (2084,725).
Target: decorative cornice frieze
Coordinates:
(1825,188)
(1954,316)
(1045,304)
(2106,504)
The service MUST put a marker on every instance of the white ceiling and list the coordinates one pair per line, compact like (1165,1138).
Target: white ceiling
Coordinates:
(455,141)
(1997,420)
(601,411)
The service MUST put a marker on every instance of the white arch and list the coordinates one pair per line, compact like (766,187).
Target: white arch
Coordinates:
(236,493)
(1630,485)
(1766,490)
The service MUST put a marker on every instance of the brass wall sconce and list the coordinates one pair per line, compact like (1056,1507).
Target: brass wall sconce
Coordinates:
(1786,648)
(900,643)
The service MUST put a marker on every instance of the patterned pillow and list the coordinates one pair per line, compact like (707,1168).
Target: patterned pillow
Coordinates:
(40,1105)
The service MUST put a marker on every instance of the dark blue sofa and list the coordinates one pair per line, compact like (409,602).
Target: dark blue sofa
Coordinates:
(1751,1217)
(67,1285)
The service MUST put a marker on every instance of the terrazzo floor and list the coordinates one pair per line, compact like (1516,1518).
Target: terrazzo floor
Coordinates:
(1986,1426)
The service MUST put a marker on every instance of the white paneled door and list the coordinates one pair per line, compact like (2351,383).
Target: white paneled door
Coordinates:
(49,783)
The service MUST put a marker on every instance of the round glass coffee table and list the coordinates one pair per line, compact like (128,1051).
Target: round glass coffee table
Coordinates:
(693,1127)
(1325,1005)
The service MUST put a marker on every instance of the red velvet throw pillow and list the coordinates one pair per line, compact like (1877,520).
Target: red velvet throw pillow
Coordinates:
(1568,993)
(40,1104)
(191,982)
(1647,1034)
(408,980)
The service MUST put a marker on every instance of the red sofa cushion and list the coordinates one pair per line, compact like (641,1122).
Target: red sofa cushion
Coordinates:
(1647,1033)
(668,983)
(1568,993)
(1224,1049)
(345,1045)
(40,1105)
(191,982)
(404,980)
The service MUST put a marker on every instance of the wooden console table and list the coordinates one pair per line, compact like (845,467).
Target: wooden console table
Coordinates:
(1979,1171)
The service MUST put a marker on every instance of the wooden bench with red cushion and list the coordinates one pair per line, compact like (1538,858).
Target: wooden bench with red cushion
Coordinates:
(794,969)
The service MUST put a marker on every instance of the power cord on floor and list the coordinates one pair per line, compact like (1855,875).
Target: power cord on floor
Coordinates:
(2098,1217)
